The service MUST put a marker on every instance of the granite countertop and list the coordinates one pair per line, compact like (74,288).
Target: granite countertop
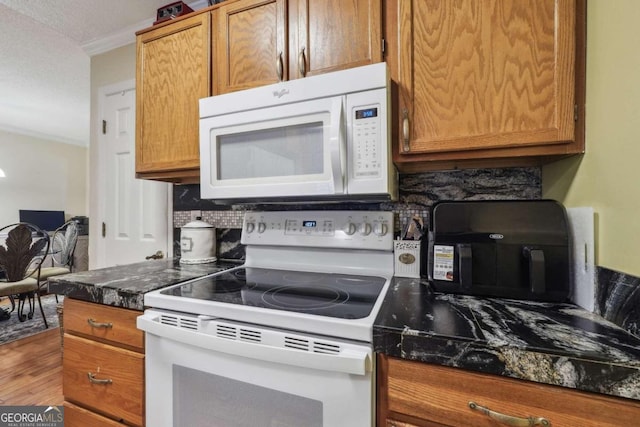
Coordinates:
(550,343)
(125,285)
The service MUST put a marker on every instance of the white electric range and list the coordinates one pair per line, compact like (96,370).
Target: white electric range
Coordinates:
(284,339)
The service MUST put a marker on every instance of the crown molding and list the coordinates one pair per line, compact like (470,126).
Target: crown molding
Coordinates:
(127,35)
(43,135)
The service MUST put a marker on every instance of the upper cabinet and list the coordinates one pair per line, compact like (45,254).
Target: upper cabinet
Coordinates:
(477,83)
(173,73)
(332,35)
(250,44)
(486,82)
(258,42)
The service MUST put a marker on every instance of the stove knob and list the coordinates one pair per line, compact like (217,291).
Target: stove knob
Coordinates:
(365,228)
(380,229)
(350,228)
(250,227)
(262,227)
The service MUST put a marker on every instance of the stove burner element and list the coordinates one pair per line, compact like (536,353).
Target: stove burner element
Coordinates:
(297,297)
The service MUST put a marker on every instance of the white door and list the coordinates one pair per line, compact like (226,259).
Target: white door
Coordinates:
(134,212)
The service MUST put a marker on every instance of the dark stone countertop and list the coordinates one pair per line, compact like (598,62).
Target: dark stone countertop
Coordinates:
(125,285)
(550,343)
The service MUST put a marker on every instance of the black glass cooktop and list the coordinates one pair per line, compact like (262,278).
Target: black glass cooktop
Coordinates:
(324,294)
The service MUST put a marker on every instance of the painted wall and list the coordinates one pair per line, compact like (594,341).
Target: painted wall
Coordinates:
(606,176)
(112,67)
(41,175)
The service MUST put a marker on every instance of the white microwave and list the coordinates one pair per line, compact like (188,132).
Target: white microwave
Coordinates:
(325,137)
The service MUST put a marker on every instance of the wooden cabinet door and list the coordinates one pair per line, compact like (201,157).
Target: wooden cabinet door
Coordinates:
(114,325)
(250,44)
(484,75)
(77,416)
(334,35)
(107,379)
(172,75)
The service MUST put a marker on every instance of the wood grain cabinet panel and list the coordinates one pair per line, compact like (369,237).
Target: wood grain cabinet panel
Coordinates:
(334,35)
(250,44)
(76,416)
(429,395)
(484,79)
(259,42)
(105,378)
(173,73)
(103,365)
(114,325)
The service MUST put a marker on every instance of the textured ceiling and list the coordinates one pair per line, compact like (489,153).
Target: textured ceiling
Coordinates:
(45,48)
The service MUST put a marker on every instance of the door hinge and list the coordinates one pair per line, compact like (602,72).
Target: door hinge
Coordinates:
(384,47)
(575,112)
(104,230)
(104,127)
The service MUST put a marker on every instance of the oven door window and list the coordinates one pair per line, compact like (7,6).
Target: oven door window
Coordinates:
(207,399)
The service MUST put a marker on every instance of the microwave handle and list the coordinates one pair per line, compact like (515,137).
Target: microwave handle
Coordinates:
(338,144)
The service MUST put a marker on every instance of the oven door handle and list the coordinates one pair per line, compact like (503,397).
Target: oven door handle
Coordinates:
(348,361)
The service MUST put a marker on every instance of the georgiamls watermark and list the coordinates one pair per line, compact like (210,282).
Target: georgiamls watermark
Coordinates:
(31,416)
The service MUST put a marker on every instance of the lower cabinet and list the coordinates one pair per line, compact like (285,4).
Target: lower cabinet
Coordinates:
(103,365)
(78,416)
(414,394)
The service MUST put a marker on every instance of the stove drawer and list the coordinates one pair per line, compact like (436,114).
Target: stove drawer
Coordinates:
(107,379)
(101,322)
(75,416)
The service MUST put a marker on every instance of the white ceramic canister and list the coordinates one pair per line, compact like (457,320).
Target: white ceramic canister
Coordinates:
(197,242)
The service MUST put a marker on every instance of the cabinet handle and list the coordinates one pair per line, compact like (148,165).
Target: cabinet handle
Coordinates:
(94,380)
(94,324)
(302,65)
(279,67)
(509,420)
(405,131)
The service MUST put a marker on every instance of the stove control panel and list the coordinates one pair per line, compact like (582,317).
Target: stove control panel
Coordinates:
(330,229)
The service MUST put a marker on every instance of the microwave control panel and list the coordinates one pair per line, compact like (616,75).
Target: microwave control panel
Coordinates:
(366,142)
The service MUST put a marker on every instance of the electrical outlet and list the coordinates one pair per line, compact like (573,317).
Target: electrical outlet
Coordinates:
(195,215)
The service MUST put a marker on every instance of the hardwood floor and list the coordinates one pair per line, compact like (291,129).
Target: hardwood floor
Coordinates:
(31,370)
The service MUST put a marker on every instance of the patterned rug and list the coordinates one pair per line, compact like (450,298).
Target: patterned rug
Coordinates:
(12,329)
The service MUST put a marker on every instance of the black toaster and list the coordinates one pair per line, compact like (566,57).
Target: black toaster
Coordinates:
(502,248)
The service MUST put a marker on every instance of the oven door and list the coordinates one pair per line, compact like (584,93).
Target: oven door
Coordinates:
(290,150)
(203,371)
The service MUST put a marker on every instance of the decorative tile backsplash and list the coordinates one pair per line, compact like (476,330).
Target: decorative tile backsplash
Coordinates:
(219,219)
